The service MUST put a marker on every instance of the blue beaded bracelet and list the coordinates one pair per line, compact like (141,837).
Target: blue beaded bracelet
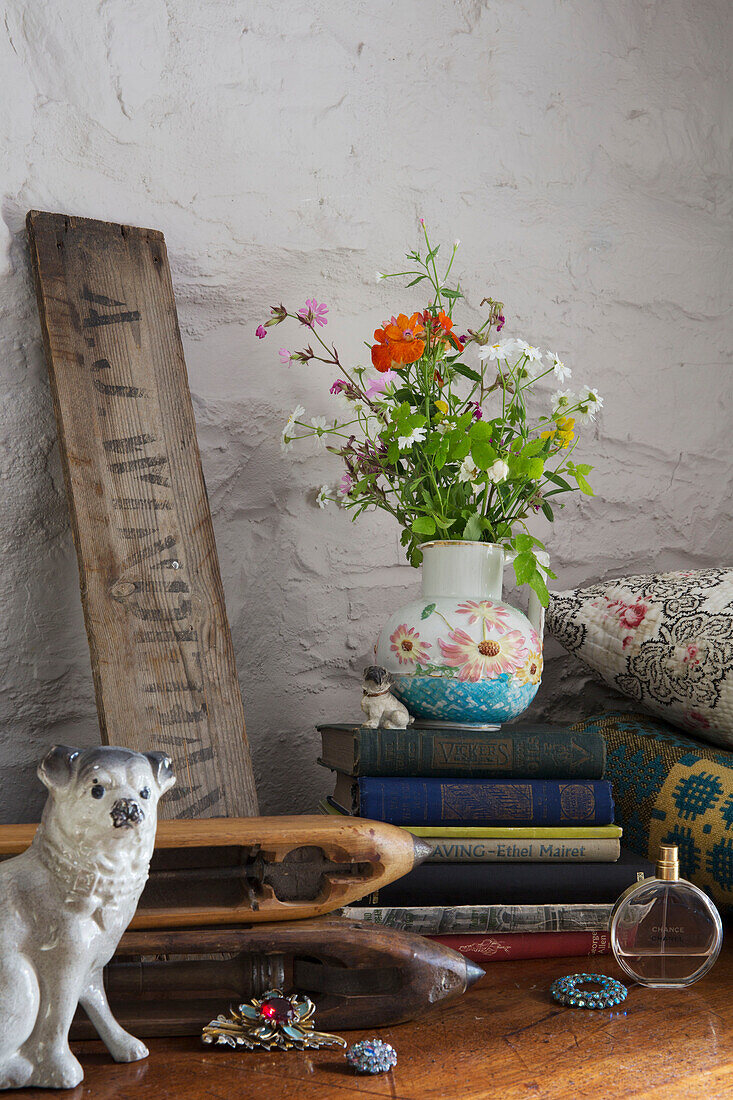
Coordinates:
(568,992)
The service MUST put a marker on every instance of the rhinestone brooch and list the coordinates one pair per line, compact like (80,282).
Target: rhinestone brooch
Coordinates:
(568,991)
(273,1022)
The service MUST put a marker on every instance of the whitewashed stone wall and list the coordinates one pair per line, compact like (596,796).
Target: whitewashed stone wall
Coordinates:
(581,152)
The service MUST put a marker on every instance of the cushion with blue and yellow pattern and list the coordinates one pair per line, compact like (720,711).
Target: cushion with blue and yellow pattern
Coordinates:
(671,789)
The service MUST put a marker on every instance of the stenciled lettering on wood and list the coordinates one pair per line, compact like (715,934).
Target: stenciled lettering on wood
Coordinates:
(162,655)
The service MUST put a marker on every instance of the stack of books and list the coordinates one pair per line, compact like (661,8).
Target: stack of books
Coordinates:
(527,862)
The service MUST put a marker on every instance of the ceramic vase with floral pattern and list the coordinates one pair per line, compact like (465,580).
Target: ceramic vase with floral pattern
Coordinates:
(459,654)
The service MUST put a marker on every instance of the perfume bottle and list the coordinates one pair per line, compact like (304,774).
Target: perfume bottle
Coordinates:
(665,931)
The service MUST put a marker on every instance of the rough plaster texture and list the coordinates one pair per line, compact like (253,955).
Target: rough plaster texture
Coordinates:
(579,149)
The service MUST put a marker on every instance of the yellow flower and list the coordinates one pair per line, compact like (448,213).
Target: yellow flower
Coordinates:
(563,434)
(531,671)
(565,431)
(442,407)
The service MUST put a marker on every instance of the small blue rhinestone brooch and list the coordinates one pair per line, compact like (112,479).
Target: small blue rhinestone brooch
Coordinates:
(371,1056)
(568,991)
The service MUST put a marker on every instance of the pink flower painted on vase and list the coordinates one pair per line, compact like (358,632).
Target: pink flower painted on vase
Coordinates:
(485,611)
(483,660)
(408,647)
(699,719)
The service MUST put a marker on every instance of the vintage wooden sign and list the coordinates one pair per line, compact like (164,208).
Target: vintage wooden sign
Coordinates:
(161,650)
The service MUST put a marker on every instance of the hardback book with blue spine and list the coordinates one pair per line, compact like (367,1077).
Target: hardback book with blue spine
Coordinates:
(526,752)
(488,802)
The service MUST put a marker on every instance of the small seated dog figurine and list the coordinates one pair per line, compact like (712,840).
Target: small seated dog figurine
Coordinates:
(65,902)
(378,703)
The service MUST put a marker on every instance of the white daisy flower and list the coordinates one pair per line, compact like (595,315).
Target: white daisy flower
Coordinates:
(589,402)
(502,349)
(417,435)
(443,426)
(561,371)
(296,414)
(563,399)
(322,497)
(592,396)
(498,471)
(534,355)
(320,425)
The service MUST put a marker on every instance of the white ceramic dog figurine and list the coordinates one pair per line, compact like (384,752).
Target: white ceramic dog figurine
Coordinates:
(65,902)
(378,703)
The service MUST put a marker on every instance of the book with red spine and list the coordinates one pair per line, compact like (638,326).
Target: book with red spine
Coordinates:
(497,947)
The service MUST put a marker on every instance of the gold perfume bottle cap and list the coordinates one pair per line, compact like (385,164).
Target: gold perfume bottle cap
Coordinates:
(668,867)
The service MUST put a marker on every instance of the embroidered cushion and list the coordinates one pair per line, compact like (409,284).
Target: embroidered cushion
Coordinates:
(670,789)
(664,640)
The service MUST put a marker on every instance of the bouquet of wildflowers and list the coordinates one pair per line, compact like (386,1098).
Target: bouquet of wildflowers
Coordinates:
(448,433)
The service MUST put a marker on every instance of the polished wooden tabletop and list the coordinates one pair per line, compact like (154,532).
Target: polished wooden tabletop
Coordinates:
(505,1039)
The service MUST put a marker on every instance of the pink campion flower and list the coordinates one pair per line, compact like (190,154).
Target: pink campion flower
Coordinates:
(345,484)
(379,385)
(339,386)
(285,356)
(313,312)
(477,410)
(261,331)
(501,322)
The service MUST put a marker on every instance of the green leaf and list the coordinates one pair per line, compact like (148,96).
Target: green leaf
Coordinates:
(427,611)
(525,567)
(423,525)
(461,368)
(432,253)
(557,480)
(419,279)
(474,527)
(537,583)
(447,293)
(442,455)
(582,468)
(460,445)
(548,511)
(480,430)
(583,484)
(534,447)
(523,542)
(483,454)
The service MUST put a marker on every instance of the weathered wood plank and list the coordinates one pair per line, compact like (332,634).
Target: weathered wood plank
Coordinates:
(161,650)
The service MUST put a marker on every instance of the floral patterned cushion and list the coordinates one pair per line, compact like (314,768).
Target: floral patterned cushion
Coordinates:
(665,640)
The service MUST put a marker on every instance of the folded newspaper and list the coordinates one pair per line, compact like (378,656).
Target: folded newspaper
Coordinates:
(487,918)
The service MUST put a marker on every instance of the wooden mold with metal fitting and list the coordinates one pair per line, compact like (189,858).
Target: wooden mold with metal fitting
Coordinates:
(232,870)
(175,982)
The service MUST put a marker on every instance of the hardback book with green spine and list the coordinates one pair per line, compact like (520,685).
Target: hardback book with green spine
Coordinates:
(528,752)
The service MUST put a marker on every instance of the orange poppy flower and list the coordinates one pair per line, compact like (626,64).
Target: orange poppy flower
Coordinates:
(398,342)
(447,324)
